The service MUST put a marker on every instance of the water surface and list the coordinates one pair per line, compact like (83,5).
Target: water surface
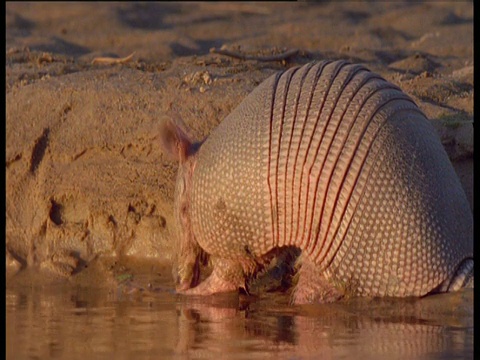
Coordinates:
(65,321)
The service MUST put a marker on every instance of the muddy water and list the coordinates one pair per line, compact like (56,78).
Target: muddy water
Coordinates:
(68,321)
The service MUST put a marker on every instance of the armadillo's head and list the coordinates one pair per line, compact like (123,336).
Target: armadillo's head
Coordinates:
(188,254)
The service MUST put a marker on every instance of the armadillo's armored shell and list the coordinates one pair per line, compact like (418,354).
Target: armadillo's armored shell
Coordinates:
(335,160)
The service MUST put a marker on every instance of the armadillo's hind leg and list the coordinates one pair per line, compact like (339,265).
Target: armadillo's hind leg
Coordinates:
(463,277)
(313,285)
(227,276)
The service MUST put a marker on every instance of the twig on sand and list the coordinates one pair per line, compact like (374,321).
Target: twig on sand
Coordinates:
(278,57)
(110,60)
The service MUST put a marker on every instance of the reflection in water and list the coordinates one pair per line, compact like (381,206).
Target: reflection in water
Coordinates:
(74,322)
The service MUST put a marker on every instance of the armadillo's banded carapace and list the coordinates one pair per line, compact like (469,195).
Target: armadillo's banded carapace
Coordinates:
(335,160)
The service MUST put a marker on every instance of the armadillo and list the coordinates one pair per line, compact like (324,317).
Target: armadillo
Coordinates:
(331,159)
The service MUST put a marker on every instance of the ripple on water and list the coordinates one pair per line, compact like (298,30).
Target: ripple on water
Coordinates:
(79,322)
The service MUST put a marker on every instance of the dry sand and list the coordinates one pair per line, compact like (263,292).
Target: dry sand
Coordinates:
(86,178)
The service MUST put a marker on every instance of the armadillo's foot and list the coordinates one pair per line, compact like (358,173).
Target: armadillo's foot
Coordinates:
(463,278)
(227,276)
(313,286)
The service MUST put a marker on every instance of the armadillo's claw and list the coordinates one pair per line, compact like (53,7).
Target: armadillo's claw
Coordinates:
(187,272)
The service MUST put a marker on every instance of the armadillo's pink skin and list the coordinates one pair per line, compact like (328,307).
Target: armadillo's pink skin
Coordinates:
(334,160)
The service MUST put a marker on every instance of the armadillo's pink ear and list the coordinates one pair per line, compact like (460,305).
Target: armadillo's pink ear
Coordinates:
(174,141)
